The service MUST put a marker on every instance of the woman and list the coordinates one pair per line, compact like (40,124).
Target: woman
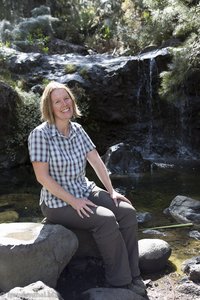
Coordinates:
(59,150)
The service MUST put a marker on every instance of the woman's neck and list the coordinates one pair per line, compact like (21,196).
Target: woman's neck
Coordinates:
(63,127)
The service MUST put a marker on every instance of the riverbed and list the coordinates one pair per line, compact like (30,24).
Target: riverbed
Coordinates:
(153,192)
(150,192)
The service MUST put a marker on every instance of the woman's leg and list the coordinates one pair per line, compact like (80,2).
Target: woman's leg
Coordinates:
(126,217)
(105,230)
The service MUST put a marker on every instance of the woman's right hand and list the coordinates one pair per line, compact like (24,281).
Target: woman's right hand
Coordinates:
(82,206)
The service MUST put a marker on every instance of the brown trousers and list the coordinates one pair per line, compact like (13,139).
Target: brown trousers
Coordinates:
(114,230)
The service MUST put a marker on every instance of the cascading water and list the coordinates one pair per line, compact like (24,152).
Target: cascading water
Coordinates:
(147,70)
(145,120)
(184,150)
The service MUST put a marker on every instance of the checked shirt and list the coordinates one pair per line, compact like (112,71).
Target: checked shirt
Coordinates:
(66,157)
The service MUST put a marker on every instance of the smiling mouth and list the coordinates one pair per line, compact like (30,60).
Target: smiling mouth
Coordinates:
(66,110)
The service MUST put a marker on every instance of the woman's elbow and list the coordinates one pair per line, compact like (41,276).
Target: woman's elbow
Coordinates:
(39,179)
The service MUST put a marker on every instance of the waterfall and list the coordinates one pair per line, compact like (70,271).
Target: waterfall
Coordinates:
(184,149)
(147,69)
(149,141)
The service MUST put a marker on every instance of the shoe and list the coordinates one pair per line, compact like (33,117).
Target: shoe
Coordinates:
(138,281)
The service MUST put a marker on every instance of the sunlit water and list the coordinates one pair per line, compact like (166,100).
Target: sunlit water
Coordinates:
(151,192)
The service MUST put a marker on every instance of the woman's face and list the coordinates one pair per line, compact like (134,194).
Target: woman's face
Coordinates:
(62,104)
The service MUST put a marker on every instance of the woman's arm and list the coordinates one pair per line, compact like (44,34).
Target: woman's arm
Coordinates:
(100,169)
(41,170)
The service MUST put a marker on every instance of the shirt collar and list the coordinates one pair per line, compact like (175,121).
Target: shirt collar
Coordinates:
(54,131)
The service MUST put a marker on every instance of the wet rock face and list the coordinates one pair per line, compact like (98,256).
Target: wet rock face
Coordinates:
(11,154)
(122,93)
(123,159)
(8,102)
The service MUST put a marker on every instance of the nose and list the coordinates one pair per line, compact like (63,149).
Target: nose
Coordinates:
(65,101)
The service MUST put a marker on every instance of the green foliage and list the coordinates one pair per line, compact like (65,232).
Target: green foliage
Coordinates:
(91,22)
(82,99)
(27,115)
(70,68)
(84,72)
(165,20)
(122,27)
(38,38)
(186,60)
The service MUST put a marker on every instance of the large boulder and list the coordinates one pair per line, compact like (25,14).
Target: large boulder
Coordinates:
(185,210)
(153,255)
(87,245)
(34,291)
(31,252)
(124,159)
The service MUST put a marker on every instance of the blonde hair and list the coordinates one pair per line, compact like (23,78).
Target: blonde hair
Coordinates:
(46,105)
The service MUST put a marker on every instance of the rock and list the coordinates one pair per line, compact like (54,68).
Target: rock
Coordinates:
(11,153)
(110,294)
(143,217)
(40,11)
(185,210)
(153,255)
(31,252)
(124,159)
(35,291)
(9,216)
(154,232)
(189,288)
(8,104)
(192,268)
(86,243)
(195,234)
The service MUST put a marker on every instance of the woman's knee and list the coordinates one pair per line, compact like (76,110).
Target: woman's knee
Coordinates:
(106,220)
(128,213)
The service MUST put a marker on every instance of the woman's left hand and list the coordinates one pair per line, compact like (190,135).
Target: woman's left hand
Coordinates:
(118,197)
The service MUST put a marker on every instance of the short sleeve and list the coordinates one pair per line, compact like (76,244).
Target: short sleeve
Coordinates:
(89,145)
(38,146)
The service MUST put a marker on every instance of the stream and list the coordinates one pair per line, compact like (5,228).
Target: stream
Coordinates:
(150,192)
(153,192)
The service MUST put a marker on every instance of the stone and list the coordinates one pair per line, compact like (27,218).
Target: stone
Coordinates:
(31,252)
(9,216)
(124,159)
(143,217)
(191,267)
(153,255)
(189,288)
(87,246)
(110,294)
(195,234)
(34,291)
(185,210)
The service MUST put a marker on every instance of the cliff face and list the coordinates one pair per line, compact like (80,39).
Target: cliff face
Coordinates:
(120,95)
